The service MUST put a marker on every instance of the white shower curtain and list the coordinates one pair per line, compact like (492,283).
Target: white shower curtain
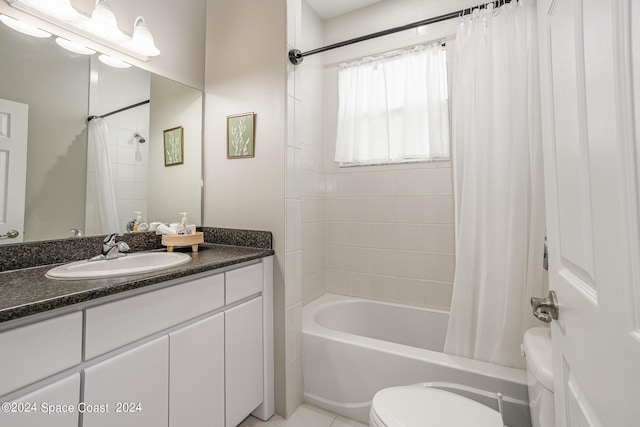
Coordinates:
(498,183)
(99,161)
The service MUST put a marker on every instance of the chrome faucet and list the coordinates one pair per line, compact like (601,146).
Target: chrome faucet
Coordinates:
(76,233)
(111,249)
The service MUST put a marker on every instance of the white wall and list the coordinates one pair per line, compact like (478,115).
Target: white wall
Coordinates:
(246,71)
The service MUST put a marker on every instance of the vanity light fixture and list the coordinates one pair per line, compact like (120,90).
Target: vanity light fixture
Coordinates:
(60,9)
(142,40)
(23,27)
(101,27)
(113,62)
(103,22)
(74,47)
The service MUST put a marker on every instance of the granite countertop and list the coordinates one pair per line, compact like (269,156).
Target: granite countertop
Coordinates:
(26,290)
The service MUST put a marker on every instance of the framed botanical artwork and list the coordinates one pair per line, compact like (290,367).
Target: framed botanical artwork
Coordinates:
(174,146)
(240,136)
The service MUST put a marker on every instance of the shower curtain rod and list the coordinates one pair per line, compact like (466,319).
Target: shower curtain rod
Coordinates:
(296,57)
(118,111)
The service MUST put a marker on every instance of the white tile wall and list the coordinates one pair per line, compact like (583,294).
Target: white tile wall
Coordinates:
(390,236)
(306,205)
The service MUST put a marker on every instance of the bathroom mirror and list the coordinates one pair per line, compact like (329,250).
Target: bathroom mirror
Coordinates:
(62,89)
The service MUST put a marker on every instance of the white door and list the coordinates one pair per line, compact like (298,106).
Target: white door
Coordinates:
(13,169)
(592,209)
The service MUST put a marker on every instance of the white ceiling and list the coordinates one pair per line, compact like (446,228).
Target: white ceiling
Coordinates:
(328,9)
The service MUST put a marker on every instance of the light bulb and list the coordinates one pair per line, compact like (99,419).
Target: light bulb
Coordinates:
(113,62)
(59,9)
(74,47)
(23,27)
(142,40)
(103,22)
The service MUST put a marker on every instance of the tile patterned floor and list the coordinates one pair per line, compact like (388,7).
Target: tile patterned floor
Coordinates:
(305,416)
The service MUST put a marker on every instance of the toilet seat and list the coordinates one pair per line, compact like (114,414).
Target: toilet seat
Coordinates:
(420,406)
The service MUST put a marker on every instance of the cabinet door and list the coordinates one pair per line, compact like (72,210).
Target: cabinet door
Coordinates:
(130,389)
(55,405)
(196,374)
(244,362)
(22,359)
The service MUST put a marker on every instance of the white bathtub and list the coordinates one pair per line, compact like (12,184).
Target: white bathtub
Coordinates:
(354,347)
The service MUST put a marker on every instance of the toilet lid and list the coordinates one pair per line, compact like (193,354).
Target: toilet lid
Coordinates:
(420,406)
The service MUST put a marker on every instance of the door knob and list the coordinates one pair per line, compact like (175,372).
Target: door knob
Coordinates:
(545,309)
(11,234)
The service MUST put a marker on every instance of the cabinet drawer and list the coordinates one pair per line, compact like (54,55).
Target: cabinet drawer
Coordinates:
(121,322)
(33,352)
(243,282)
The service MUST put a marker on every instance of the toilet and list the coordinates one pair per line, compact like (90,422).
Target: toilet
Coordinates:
(537,349)
(422,406)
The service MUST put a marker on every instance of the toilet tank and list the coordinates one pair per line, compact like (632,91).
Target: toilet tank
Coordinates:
(537,350)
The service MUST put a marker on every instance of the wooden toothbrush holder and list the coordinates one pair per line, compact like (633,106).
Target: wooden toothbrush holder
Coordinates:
(174,240)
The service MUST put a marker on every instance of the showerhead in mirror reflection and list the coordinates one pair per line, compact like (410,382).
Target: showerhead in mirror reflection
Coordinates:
(139,139)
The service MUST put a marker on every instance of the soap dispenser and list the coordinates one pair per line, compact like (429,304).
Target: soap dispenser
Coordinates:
(184,228)
(137,221)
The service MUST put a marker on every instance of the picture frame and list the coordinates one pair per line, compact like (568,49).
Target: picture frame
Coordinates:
(241,136)
(174,146)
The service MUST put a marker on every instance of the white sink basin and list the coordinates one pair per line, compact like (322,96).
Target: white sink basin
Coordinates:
(135,263)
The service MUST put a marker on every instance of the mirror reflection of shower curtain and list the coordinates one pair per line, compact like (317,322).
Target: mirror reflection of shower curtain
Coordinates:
(99,163)
(499,188)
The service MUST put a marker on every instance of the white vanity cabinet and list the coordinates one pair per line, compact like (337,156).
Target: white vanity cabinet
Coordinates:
(37,350)
(196,374)
(243,343)
(54,405)
(32,353)
(243,355)
(130,389)
(113,325)
(191,352)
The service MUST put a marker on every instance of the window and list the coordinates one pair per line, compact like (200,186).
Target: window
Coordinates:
(393,108)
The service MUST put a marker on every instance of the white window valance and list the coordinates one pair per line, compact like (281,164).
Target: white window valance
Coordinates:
(393,108)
